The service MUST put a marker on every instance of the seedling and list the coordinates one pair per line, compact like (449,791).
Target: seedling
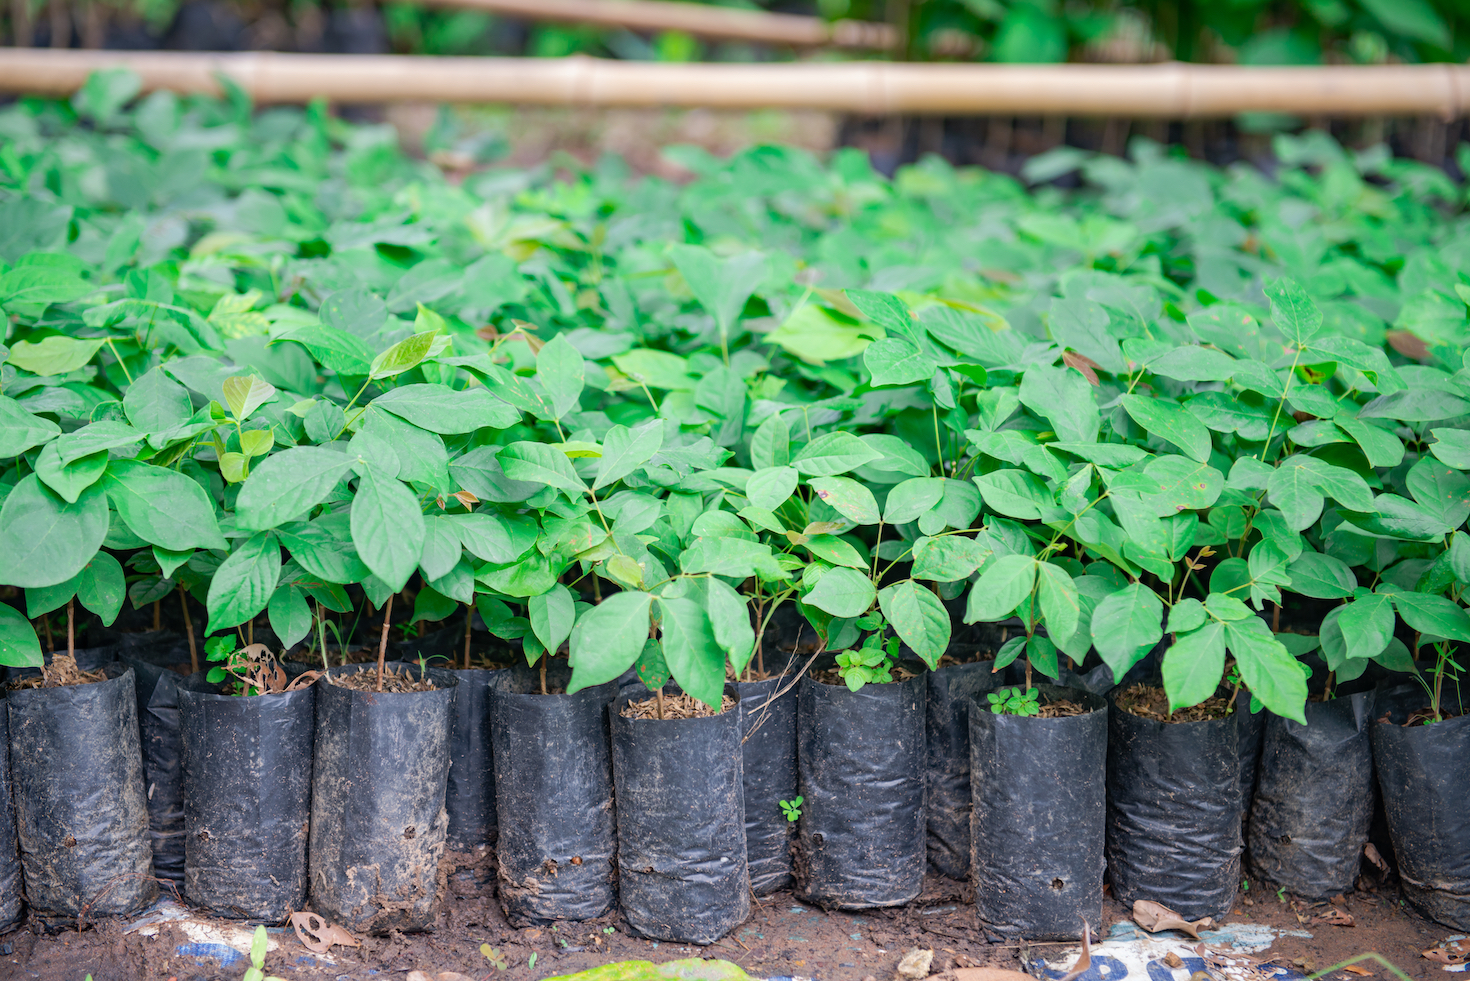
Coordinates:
(792,809)
(493,955)
(873,662)
(1013,701)
(256,970)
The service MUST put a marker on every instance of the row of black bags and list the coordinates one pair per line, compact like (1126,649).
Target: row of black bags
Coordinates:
(1173,799)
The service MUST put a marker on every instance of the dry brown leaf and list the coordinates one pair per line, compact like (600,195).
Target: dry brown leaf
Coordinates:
(319,936)
(989,974)
(1082,363)
(1155,917)
(1336,917)
(1371,854)
(1361,972)
(1084,963)
(1449,952)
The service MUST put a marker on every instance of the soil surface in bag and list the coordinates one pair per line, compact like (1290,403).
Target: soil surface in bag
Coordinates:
(768,751)
(1173,828)
(246,765)
(377,806)
(553,797)
(861,759)
(11,901)
(1040,802)
(682,873)
(952,690)
(80,809)
(1314,798)
(470,799)
(1423,773)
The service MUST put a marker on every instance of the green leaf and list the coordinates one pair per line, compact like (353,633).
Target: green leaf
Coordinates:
(771,487)
(1293,311)
(288,484)
(560,371)
(492,537)
(1223,606)
(290,616)
(1459,556)
(842,592)
(161,506)
(1015,494)
(44,539)
(947,559)
(1126,625)
(442,549)
(541,464)
(244,582)
(69,479)
(387,528)
(896,361)
(848,498)
(1293,490)
(441,409)
(832,549)
(608,638)
(1451,446)
(155,403)
(729,617)
(552,616)
(625,450)
(1182,485)
(55,355)
(1186,615)
(1057,595)
(406,354)
(770,445)
(919,619)
(101,587)
(832,454)
(652,669)
(1194,664)
(1438,488)
(39,286)
(20,430)
(1321,576)
(1432,615)
(1267,667)
(246,393)
(730,557)
(910,498)
(695,660)
(1170,422)
(1001,588)
(19,646)
(334,349)
(720,285)
(1063,397)
(1367,624)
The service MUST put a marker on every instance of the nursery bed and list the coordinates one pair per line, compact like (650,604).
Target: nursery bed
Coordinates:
(783,937)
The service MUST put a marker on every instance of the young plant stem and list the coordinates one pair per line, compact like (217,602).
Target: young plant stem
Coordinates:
(50,641)
(71,627)
(158,614)
(250,632)
(1275,618)
(383,639)
(660,694)
(469,619)
(321,633)
(543,672)
(189,629)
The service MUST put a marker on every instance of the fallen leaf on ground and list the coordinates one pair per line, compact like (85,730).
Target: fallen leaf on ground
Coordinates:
(1155,917)
(915,964)
(1449,952)
(1084,963)
(989,974)
(318,936)
(1361,972)
(1371,854)
(1335,917)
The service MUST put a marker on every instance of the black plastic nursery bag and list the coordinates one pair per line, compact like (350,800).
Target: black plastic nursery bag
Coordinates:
(768,744)
(952,689)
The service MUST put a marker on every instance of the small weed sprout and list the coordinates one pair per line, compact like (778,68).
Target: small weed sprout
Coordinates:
(256,970)
(1012,701)
(792,808)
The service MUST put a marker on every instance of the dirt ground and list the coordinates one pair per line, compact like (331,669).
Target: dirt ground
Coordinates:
(783,937)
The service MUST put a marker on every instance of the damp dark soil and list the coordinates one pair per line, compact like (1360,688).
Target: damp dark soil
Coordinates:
(674,707)
(1151,702)
(60,672)
(782,937)
(396,680)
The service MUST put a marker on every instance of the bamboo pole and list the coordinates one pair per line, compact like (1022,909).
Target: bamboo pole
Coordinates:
(1169,90)
(699,20)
